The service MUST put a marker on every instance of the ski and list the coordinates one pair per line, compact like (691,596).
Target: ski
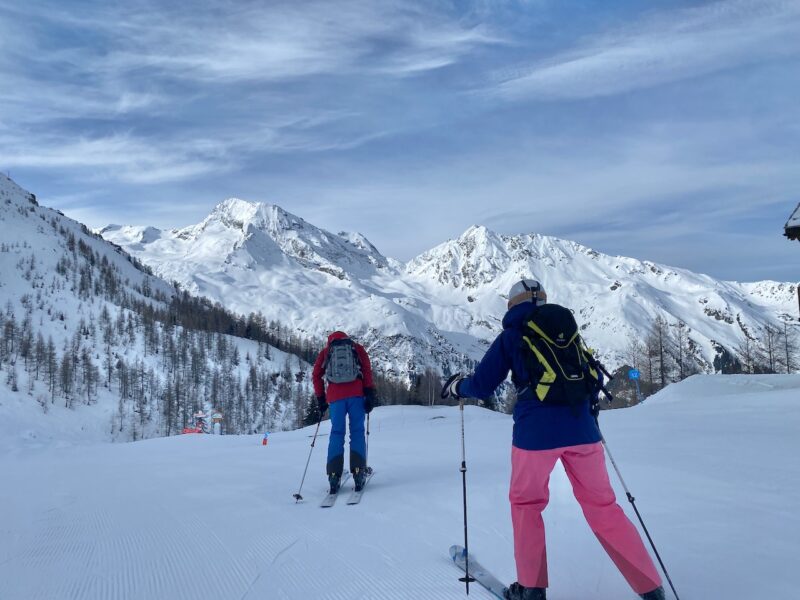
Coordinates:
(355,497)
(476,570)
(330,499)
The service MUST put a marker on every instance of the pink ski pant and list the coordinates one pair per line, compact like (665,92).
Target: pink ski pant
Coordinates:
(586,468)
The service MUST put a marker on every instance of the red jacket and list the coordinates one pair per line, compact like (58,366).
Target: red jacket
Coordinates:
(338,391)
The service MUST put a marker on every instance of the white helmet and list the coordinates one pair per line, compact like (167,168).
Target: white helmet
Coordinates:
(527,290)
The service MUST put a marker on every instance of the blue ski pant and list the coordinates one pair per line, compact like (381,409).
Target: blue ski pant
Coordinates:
(340,411)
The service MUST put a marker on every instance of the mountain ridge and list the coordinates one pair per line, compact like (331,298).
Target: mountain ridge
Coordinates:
(442,308)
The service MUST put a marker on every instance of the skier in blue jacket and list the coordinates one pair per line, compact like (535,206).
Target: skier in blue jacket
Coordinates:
(544,433)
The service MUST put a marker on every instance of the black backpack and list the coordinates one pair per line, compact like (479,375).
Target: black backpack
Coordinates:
(562,369)
(342,364)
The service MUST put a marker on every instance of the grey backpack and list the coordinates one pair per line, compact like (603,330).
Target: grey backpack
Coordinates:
(342,364)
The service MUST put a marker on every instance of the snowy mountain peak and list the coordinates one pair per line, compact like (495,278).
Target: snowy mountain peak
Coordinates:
(238,214)
(479,239)
(263,225)
(233,212)
(244,235)
(246,242)
(480,256)
(476,232)
(475,258)
(295,237)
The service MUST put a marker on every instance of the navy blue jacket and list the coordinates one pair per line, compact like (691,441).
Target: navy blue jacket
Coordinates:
(537,426)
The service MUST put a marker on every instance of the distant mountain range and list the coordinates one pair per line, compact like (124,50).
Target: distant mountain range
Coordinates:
(95,339)
(442,308)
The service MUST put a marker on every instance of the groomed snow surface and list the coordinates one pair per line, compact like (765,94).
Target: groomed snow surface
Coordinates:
(713,463)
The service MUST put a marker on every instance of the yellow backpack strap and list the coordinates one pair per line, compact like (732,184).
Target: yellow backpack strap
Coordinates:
(547,338)
(549,374)
(587,352)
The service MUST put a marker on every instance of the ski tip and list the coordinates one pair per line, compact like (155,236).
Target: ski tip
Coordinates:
(457,552)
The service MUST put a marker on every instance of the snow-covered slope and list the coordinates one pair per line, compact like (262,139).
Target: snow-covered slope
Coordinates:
(710,461)
(85,351)
(30,230)
(447,303)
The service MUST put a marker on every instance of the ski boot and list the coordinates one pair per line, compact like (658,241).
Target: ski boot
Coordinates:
(656,594)
(333,480)
(359,478)
(519,592)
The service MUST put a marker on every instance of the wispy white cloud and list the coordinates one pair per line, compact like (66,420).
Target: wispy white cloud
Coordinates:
(223,40)
(119,157)
(139,86)
(62,101)
(662,48)
(135,159)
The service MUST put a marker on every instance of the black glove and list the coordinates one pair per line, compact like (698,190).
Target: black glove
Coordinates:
(369,400)
(450,388)
(322,405)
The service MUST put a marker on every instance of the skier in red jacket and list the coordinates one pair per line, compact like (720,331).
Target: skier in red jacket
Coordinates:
(343,381)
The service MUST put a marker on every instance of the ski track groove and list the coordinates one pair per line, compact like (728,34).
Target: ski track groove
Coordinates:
(254,582)
(263,547)
(280,557)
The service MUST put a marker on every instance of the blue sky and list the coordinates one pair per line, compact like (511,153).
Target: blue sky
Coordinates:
(667,131)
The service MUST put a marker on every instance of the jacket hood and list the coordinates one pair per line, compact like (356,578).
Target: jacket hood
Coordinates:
(337,335)
(515,317)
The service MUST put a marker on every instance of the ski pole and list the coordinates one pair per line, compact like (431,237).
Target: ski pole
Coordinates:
(366,450)
(632,500)
(466,579)
(297,497)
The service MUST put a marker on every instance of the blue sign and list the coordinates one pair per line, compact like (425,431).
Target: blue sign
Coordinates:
(633,374)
